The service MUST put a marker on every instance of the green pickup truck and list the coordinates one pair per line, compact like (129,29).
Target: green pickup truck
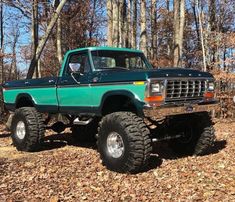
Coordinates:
(115,96)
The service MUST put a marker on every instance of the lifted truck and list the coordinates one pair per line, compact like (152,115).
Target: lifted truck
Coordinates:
(115,95)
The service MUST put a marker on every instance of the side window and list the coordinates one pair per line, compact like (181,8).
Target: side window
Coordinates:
(82,59)
(135,62)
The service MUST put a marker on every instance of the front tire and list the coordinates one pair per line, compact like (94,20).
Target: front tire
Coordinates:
(27,129)
(124,142)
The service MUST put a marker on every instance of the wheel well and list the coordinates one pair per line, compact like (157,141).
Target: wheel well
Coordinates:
(116,103)
(24,102)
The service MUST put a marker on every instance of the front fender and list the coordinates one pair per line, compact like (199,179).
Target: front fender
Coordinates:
(133,97)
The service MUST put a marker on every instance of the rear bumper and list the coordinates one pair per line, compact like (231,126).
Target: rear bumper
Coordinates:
(161,112)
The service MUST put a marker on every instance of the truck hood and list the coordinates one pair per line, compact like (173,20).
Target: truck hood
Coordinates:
(143,75)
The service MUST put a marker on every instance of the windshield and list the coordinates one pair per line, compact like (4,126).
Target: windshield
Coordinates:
(103,59)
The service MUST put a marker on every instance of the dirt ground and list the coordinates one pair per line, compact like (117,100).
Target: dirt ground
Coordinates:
(66,171)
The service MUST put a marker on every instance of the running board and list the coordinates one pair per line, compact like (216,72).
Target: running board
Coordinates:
(83,123)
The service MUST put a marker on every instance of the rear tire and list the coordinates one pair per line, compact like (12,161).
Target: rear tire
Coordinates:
(27,129)
(200,140)
(124,142)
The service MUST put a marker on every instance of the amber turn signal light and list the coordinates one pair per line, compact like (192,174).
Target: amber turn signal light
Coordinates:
(209,95)
(158,98)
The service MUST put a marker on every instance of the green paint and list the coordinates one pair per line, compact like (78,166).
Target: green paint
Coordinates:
(99,91)
(40,96)
(92,95)
(74,96)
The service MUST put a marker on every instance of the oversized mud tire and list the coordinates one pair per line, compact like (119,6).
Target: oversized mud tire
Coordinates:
(85,133)
(27,129)
(124,142)
(201,139)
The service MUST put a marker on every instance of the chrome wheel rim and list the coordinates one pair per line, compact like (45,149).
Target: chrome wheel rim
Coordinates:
(20,130)
(115,145)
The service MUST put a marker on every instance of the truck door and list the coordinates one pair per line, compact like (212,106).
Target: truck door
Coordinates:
(74,93)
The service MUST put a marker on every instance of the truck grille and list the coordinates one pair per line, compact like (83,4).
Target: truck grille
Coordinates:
(185,89)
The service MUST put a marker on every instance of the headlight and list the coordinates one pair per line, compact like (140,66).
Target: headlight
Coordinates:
(154,92)
(211,86)
(155,87)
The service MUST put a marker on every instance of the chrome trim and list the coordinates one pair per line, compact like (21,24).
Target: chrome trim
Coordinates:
(180,79)
(172,109)
(20,130)
(115,145)
(80,122)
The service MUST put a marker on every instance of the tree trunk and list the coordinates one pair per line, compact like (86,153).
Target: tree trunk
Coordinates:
(153,29)
(44,39)
(13,67)
(179,18)
(202,36)
(212,15)
(35,32)
(115,31)
(1,44)
(58,40)
(59,36)
(134,25)
(143,29)
(169,38)
(110,22)
(121,17)
(196,22)
(181,31)
(128,25)
(212,30)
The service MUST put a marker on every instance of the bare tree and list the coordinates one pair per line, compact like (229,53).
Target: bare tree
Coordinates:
(13,66)
(1,43)
(134,25)
(121,26)
(202,36)
(115,31)
(59,35)
(34,32)
(124,24)
(129,28)
(179,17)
(143,28)
(44,39)
(110,22)
(153,29)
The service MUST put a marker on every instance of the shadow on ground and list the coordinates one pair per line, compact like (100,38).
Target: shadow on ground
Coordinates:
(161,150)
(4,135)
(55,141)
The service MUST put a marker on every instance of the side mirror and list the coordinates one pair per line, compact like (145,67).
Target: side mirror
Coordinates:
(75,67)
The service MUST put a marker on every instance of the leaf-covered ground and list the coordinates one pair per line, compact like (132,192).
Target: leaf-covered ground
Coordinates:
(65,171)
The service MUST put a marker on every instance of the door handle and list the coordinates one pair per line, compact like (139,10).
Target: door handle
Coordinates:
(26,83)
(51,81)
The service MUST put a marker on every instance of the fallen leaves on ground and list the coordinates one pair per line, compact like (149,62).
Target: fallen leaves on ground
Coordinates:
(65,171)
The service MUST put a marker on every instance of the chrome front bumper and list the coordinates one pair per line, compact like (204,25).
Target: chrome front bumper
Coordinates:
(164,111)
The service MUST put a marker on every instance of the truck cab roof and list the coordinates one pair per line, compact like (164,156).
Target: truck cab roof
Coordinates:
(106,48)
